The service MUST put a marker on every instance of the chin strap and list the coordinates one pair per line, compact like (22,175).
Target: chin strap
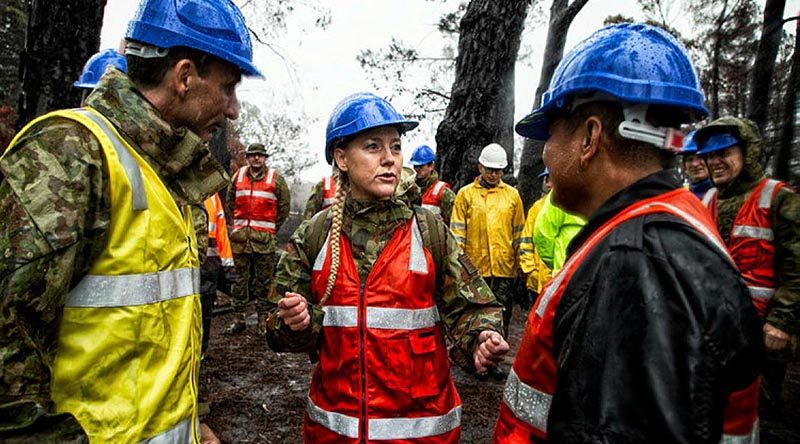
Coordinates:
(145,51)
(635,127)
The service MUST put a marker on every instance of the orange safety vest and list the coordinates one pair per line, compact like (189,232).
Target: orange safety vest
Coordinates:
(752,240)
(533,377)
(328,192)
(256,205)
(432,199)
(218,243)
(383,371)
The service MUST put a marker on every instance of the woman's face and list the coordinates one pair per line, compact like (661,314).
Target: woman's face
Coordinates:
(372,161)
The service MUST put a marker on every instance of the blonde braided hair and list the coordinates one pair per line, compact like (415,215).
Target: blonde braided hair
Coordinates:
(337,209)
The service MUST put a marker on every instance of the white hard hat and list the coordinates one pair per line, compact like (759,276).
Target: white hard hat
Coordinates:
(493,156)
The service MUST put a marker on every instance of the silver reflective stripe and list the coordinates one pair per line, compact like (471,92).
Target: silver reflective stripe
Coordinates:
(765,200)
(138,196)
(753,438)
(212,251)
(417,261)
(753,232)
(265,195)
(180,434)
(527,403)
(323,252)
(410,428)
(254,223)
(335,422)
(227,262)
(240,177)
(134,289)
(438,188)
(401,318)
(270,175)
(760,292)
(458,226)
(340,316)
(327,182)
(709,196)
(432,208)
(460,239)
(212,226)
(544,299)
(528,240)
(328,202)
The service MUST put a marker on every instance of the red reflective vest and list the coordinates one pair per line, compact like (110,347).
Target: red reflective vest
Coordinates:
(751,243)
(533,377)
(328,192)
(432,199)
(256,205)
(383,371)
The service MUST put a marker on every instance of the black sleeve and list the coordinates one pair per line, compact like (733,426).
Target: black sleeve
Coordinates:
(654,332)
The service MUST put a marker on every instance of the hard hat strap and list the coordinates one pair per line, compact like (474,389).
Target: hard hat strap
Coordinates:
(145,51)
(635,127)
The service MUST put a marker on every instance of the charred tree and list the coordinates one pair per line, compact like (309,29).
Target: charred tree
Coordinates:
(562,12)
(787,158)
(12,39)
(761,76)
(481,109)
(60,37)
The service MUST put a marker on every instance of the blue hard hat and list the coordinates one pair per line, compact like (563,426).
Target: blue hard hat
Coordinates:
(96,66)
(215,27)
(546,172)
(689,144)
(634,63)
(716,142)
(359,112)
(423,155)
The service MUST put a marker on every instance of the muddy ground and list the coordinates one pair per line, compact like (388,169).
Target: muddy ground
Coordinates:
(258,396)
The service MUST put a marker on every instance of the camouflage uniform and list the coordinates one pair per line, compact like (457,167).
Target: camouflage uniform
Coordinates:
(55,200)
(465,302)
(314,202)
(254,251)
(448,196)
(783,310)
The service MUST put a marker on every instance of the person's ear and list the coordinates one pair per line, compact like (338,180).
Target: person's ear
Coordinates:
(591,139)
(182,77)
(340,159)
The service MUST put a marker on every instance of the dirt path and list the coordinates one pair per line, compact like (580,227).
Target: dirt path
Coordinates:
(258,396)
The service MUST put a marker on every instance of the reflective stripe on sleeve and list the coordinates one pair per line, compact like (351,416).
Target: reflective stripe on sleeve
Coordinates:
(411,428)
(765,199)
(458,226)
(527,403)
(129,165)
(460,239)
(760,292)
(381,317)
(417,261)
(134,289)
(753,438)
(432,208)
(753,232)
(179,434)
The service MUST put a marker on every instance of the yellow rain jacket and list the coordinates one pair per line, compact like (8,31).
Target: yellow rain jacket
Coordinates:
(531,263)
(487,223)
(128,351)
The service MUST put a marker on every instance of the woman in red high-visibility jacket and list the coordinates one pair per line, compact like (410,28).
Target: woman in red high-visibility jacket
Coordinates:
(371,286)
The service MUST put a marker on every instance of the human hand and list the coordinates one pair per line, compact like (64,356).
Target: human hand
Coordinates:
(207,435)
(293,310)
(774,338)
(490,350)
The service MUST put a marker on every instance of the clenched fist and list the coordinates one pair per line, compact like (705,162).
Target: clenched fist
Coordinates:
(293,310)
(490,350)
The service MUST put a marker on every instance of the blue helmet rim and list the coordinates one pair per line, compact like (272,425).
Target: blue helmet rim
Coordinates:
(404,125)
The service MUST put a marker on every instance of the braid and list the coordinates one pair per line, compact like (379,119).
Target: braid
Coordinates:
(342,187)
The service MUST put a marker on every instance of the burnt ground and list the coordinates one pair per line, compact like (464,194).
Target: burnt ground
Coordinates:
(258,396)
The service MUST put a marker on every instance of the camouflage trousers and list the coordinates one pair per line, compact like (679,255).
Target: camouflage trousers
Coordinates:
(254,272)
(504,292)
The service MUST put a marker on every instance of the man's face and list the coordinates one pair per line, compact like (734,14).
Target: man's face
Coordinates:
(256,161)
(490,175)
(725,165)
(561,156)
(211,99)
(695,168)
(423,171)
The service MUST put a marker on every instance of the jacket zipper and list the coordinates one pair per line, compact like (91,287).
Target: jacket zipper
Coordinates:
(363,328)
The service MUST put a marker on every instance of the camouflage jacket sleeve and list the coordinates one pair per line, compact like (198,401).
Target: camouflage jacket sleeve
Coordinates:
(200,221)
(56,212)
(284,199)
(293,274)
(448,200)
(466,304)
(314,203)
(784,306)
(230,200)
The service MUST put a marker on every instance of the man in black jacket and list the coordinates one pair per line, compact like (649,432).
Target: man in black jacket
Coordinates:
(647,331)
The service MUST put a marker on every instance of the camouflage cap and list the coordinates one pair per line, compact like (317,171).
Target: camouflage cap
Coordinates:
(256,148)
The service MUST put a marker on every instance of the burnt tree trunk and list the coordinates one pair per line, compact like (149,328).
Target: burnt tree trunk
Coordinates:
(787,158)
(60,37)
(12,38)
(561,16)
(481,109)
(761,75)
